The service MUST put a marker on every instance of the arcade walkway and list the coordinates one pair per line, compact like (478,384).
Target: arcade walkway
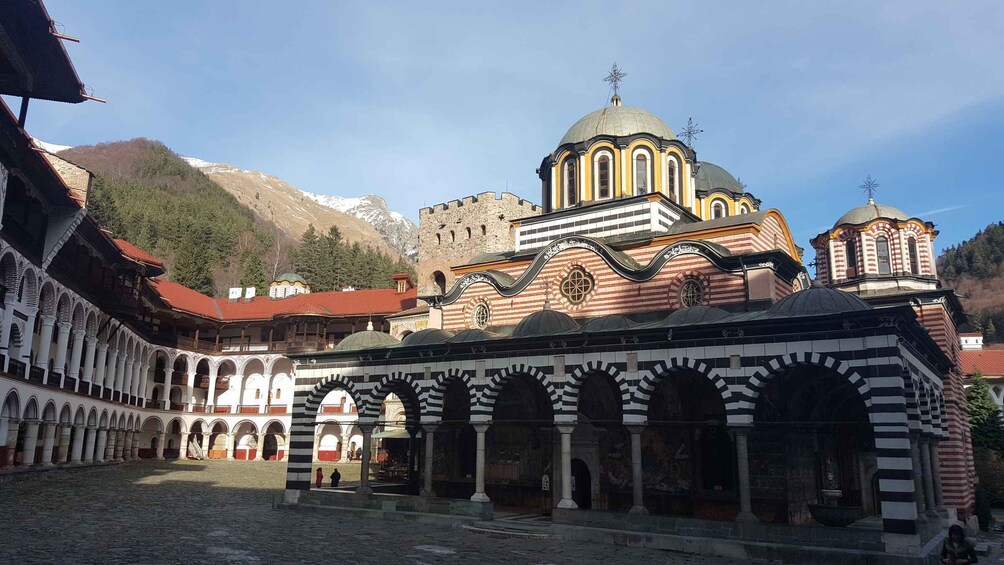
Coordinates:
(220,512)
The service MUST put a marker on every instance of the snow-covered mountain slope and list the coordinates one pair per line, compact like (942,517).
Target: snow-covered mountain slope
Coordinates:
(399,232)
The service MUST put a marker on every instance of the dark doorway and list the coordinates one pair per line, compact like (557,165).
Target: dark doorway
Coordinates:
(581,484)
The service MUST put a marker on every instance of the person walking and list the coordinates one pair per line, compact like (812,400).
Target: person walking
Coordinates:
(319,478)
(335,478)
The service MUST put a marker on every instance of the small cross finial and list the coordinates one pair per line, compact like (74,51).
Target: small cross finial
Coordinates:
(690,131)
(870,187)
(742,185)
(614,77)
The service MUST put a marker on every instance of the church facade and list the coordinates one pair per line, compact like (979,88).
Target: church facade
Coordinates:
(649,346)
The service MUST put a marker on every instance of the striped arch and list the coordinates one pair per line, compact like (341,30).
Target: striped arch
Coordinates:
(911,391)
(434,399)
(486,403)
(570,392)
(314,397)
(387,385)
(638,409)
(777,365)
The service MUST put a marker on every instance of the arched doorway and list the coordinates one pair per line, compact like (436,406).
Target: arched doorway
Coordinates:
(582,492)
(520,447)
(455,444)
(602,444)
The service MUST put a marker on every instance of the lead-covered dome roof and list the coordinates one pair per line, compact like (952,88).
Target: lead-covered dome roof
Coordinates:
(366,340)
(427,337)
(869,212)
(818,300)
(545,322)
(710,176)
(616,121)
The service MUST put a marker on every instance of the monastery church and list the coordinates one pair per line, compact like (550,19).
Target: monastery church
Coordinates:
(642,350)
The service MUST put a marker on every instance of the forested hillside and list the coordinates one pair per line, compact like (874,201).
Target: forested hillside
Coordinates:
(145,193)
(975,268)
(328,262)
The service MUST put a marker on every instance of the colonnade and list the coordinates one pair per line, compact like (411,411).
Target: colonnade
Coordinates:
(72,444)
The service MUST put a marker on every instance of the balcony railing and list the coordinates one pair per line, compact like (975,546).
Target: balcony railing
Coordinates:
(203,346)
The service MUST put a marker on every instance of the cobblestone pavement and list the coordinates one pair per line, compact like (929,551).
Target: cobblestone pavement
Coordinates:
(220,512)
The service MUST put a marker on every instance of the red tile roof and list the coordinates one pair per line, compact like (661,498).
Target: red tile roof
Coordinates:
(137,254)
(329,304)
(990,362)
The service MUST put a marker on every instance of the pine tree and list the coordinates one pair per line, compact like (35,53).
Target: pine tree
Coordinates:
(253,273)
(990,332)
(984,416)
(191,268)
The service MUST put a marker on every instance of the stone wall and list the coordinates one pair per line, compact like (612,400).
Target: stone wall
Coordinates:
(450,234)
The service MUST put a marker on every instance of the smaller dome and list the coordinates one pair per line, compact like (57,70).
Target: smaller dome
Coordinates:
(427,337)
(869,212)
(467,336)
(710,176)
(695,315)
(818,300)
(545,322)
(609,323)
(366,340)
(291,278)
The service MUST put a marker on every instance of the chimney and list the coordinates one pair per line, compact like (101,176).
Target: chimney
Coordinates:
(249,293)
(234,295)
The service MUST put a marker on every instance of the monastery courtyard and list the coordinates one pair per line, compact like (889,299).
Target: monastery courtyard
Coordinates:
(220,512)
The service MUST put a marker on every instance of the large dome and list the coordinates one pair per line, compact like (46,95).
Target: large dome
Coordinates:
(366,340)
(616,121)
(869,212)
(711,176)
(545,322)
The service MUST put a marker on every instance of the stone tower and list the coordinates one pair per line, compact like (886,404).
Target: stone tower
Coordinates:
(453,233)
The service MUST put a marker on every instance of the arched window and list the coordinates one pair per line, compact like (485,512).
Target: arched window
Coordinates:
(642,178)
(440,280)
(882,249)
(744,209)
(439,239)
(851,254)
(671,180)
(601,175)
(484,230)
(718,209)
(571,183)
(453,236)
(468,233)
(911,246)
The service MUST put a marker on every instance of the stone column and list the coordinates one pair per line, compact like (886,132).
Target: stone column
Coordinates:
(238,387)
(637,478)
(110,439)
(90,436)
(108,379)
(62,344)
(346,438)
(73,371)
(479,465)
(925,461)
(78,444)
(936,474)
(918,475)
(48,442)
(230,446)
(87,369)
(99,449)
(161,444)
(430,439)
(30,441)
(317,448)
(98,373)
(190,388)
(119,445)
(183,448)
(44,342)
(566,467)
(364,469)
(135,445)
(126,445)
(11,441)
(63,451)
(743,467)
(266,389)
(260,451)
(120,372)
(211,394)
(205,444)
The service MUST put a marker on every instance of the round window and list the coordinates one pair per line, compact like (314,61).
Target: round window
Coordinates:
(576,285)
(480,316)
(691,293)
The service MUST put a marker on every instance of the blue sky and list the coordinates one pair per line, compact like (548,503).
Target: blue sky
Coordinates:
(425,102)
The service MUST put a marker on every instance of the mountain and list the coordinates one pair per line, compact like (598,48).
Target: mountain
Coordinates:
(399,232)
(975,269)
(289,208)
